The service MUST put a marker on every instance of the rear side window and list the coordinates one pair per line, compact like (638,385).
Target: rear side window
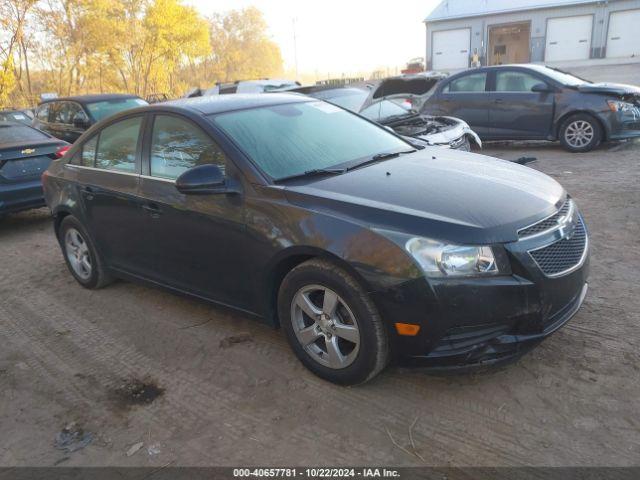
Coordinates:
(118,144)
(469,83)
(20,133)
(89,152)
(43,112)
(178,145)
(512,81)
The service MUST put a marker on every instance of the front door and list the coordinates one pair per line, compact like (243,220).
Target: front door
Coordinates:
(193,242)
(464,97)
(516,111)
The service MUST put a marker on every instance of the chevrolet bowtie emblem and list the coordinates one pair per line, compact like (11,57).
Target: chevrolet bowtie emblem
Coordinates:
(27,150)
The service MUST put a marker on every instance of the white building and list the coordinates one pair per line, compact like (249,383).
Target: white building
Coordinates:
(520,31)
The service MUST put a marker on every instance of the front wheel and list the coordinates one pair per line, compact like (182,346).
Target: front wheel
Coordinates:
(331,323)
(580,133)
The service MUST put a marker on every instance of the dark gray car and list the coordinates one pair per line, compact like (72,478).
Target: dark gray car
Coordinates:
(69,117)
(520,102)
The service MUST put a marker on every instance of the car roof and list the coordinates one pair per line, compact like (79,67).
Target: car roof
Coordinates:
(227,103)
(100,97)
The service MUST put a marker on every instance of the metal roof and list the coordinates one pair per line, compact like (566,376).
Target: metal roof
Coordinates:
(238,101)
(451,9)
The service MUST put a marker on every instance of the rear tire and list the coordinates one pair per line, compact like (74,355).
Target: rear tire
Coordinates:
(580,133)
(80,255)
(331,323)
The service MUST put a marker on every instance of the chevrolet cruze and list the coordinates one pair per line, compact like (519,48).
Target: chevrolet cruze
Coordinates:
(361,248)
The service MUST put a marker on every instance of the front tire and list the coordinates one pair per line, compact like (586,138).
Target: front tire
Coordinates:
(580,133)
(331,323)
(80,255)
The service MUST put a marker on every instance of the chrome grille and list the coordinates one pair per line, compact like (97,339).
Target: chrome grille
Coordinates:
(546,224)
(564,255)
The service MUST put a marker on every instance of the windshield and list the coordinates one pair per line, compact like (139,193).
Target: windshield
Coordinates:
(106,108)
(564,78)
(353,99)
(19,133)
(290,139)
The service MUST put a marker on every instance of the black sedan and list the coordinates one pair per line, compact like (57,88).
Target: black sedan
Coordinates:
(296,211)
(25,153)
(519,102)
(69,117)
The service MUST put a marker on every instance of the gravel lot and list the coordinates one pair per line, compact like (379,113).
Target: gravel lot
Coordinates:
(222,389)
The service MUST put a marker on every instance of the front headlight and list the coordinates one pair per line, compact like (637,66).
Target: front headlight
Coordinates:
(619,106)
(445,260)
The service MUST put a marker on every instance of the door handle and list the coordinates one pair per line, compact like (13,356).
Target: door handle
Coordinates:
(87,192)
(152,209)
(499,100)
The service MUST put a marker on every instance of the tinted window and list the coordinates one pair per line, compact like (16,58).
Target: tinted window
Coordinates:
(76,111)
(63,113)
(178,145)
(15,117)
(469,83)
(19,133)
(89,152)
(292,138)
(117,145)
(43,113)
(106,108)
(512,81)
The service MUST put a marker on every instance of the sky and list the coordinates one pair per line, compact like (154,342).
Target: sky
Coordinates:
(336,37)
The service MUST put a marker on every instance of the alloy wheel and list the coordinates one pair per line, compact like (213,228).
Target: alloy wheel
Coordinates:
(579,134)
(325,326)
(77,252)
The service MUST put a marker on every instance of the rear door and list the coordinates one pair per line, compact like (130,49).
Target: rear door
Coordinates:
(108,170)
(465,97)
(194,242)
(517,112)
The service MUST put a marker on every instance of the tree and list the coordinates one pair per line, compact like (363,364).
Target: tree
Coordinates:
(241,47)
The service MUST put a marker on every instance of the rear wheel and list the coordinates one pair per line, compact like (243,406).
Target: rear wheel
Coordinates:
(331,323)
(580,133)
(81,255)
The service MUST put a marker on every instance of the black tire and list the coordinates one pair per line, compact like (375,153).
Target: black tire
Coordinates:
(576,123)
(372,353)
(98,276)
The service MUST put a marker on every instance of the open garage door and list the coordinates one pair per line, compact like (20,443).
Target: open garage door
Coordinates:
(623,39)
(450,49)
(568,38)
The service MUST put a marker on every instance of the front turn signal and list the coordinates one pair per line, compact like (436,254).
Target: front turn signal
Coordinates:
(407,329)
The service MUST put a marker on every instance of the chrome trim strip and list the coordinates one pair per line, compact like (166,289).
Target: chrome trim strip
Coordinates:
(104,170)
(572,208)
(149,177)
(568,270)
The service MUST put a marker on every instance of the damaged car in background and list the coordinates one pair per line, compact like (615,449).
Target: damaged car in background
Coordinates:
(395,103)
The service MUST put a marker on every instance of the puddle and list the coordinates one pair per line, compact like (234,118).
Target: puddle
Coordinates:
(137,392)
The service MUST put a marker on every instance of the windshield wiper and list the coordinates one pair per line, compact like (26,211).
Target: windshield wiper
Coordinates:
(378,157)
(314,172)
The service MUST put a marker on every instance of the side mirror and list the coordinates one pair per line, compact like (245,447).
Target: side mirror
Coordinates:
(204,180)
(541,88)
(80,121)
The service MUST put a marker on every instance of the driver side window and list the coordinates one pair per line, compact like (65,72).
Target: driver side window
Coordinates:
(178,145)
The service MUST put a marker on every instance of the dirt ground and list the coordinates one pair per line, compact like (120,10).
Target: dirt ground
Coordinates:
(200,385)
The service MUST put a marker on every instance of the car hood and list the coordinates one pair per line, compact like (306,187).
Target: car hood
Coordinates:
(416,88)
(444,194)
(611,88)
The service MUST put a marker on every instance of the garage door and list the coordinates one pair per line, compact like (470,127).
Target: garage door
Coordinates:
(451,49)
(623,39)
(568,38)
